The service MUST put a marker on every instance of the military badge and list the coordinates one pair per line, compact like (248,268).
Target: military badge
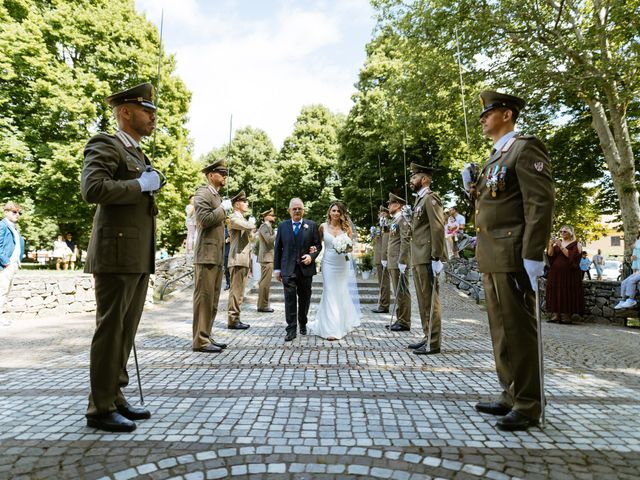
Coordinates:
(539,166)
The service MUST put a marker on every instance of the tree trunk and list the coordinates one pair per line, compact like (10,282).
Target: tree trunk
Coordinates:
(622,168)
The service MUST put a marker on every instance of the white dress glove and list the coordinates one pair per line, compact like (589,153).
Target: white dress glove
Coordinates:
(436,266)
(402,267)
(149,181)
(384,263)
(466,176)
(535,269)
(252,220)
(226,204)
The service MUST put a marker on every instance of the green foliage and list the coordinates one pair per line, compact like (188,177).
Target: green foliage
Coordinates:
(58,61)
(366,262)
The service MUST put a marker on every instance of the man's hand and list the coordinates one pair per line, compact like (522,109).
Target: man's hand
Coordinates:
(402,267)
(149,181)
(278,277)
(306,259)
(384,263)
(535,269)
(226,204)
(313,249)
(436,266)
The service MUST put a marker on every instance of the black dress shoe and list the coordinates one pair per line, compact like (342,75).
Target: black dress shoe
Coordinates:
(238,326)
(110,422)
(423,350)
(289,337)
(211,348)
(218,344)
(394,324)
(266,310)
(417,345)
(492,408)
(399,328)
(303,330)
(380,310)
(513,421)
(133,413)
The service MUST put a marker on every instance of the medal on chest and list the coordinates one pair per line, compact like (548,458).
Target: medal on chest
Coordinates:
(496,179)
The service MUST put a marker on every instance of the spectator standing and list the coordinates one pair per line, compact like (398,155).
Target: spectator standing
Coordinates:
(598,263)
(72,255)
(635,256)
(461,223)
(61,252)
(191,225)
(451,233)
(585,264)
(564,295)
(11,250)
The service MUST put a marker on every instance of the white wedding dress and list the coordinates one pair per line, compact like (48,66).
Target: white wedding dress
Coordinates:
(339,310)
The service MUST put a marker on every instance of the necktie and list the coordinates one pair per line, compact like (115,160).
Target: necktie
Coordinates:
(296,228)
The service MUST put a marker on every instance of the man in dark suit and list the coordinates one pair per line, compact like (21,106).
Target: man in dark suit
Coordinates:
(296,249)
(118,177)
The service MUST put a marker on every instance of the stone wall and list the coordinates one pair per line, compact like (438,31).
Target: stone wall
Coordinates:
(599,297)
(51,292)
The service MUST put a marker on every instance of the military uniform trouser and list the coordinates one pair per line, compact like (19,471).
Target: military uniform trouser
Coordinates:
(384,286)
(208,282)
(403,299)
(266,271)
(236,293)
(423,281)
(514,334)
(119,302)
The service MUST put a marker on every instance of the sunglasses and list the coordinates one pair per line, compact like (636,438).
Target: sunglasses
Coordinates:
(15,211)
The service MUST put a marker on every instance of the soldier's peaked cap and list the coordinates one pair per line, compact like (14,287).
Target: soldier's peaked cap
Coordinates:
(415,168)
(267,212)
(141,94)
(395,198)
(239,197)
(217,166)
(491,100)
(383,209)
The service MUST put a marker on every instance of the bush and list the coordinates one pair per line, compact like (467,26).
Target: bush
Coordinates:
(366,262)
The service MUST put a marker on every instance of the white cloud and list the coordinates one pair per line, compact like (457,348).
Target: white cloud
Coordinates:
(262,69)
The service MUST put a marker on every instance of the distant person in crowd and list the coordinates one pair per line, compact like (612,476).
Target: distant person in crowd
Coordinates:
(266,242)
(585,265)
(61,252)
(452,227)
(11,252)
(191,225)
(564,293)
(119,178)
(628,289)
(461,223)
(635,256)
(72,256)
(598,263)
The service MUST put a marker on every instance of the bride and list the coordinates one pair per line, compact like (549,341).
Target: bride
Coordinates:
(339,310)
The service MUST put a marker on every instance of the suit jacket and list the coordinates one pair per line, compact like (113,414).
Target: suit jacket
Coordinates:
(399,249)
(210,219)
(266,242)
(123,235)
(240,231)
(427,225)
(8,244)
(289,248)
(516,223)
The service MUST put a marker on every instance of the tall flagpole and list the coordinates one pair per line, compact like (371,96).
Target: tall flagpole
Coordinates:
(226,185)
(464,108)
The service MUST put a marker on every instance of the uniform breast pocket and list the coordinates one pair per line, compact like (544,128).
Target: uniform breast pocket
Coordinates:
(133,166)
(507,249)
(119,245)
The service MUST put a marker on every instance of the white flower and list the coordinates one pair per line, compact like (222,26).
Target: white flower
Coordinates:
(343,244)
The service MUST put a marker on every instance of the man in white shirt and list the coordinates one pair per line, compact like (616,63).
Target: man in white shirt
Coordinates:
(11,251)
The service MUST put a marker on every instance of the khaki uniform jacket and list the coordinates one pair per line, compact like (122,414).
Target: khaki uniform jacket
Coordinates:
(377,249)
(123,235)
(266,241)
(399,249)
(427,225)
(516,223)
(210,218)
(240,233)
(385,245)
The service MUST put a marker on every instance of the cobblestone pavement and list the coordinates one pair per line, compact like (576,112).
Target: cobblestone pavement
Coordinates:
(362,407)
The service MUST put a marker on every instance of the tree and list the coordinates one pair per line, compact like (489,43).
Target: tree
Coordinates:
(58,61)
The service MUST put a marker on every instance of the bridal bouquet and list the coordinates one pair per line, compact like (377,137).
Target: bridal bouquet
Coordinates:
(343,244)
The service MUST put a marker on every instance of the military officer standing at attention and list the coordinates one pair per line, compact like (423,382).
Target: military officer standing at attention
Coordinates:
(121,252)
(380,245)
(398,258)
(266,241)
(208,256)
(241,234)
(427,252)
(514,209)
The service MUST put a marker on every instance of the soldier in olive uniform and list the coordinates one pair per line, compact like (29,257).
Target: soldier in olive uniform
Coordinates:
(399,258)
(241,234)
(121,252)
(380,245)
(266,241)
(514,210)
(427,250)
(208,256)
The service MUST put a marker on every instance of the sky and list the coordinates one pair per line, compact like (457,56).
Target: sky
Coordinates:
(261,61)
